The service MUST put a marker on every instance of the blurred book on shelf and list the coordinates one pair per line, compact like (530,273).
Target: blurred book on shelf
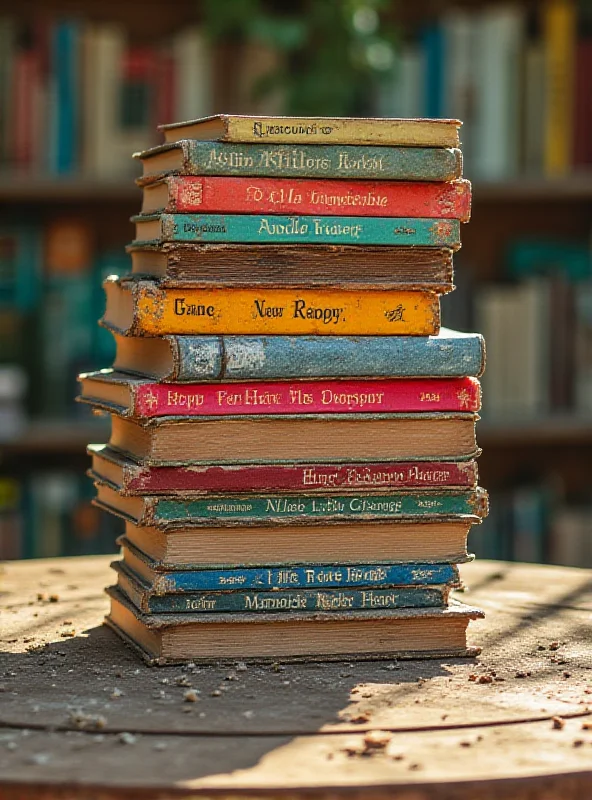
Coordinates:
(537,323)
(532,522)
(78,97)
(48,514)
(50,291)
(520,78)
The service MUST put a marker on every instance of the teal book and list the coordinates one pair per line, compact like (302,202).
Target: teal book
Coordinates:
(285,601)
(192,157)
(272,229)
(163,512)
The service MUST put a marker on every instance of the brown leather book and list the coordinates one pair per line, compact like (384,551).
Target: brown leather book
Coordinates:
(338,266)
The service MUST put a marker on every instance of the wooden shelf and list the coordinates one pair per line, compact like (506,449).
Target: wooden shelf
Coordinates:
(535,189)
(57,436)
(554,429)
(67,436)
(24,188)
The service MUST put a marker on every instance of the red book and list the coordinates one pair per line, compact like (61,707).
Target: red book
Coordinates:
(182,194)
(583,104)
(130,478)
(140,398)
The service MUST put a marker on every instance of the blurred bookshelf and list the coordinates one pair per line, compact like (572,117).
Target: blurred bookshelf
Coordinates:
(519,74)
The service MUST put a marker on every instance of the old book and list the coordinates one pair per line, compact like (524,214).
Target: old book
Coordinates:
(317,130)
(130,478)
(215,195)
(257,229)
(421,540)
(332,575)
(144,308)
(307,265)
(174,638)
(269,509)
(190,157)
(142,399)
(287,600)
(185,359)
(314,438)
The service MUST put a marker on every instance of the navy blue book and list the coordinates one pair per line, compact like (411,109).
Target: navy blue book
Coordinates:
(287,600)
(185,359)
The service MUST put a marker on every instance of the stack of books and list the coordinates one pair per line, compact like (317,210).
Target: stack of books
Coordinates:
(293,436)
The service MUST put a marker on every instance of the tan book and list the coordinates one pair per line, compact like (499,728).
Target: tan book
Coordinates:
(314,438)
(353,543)
(317,130)
(299,636)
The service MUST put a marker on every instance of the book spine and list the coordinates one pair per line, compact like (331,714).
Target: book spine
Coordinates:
(323,161)
(319,600)
(560,39)
(255,229)
(65,55)
(283,311)
(285,196)
(300,477)
(305,397)
(428,133)
(328,576)
(317,507)
(265,358)
(582,146)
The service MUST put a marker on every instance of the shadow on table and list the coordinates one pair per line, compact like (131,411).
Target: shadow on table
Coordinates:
(93,685)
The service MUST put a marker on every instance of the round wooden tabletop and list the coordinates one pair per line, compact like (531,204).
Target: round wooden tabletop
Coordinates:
(82,717)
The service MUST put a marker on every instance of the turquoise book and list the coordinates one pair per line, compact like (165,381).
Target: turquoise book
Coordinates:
(272,229)
(320,600)
(164,512)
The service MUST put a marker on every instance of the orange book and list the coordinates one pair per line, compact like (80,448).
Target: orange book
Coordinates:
(141,308)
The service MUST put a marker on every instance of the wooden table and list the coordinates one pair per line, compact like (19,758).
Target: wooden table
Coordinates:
(82,717)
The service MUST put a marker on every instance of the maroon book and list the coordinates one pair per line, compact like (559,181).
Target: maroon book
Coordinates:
(131,478)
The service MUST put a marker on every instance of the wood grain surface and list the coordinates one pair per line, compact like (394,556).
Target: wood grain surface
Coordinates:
(81,717)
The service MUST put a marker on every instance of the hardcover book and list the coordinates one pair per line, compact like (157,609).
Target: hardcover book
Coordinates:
(130,478)
(272,602)
(143,308)
(185,359)
(317,130)
(142,399)
(305,509)
(266,229)
(170,441)
(190,157)
(420,540)
(331,575)
(400,633)
(219,195)
(338,266)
